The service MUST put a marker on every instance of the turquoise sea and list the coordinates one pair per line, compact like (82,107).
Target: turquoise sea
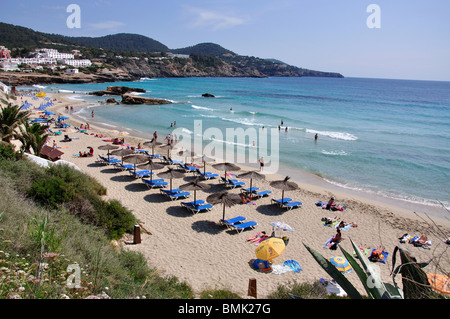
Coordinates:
(384,137)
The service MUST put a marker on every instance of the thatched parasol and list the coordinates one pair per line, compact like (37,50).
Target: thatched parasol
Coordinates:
(151,166)
(195,185)
(122,152)
(167,147)
(205,159)
(108,147)
(152,144)
(224,198)
(171,174)
(226,167)
(135,159)
(284,185)
(251,175)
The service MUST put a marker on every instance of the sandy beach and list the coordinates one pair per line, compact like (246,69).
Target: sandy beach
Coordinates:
(196,249)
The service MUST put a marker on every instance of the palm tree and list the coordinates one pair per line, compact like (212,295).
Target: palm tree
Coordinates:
(32,136)
(10,118)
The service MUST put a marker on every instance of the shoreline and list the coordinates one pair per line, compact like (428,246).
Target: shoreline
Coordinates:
(195,249)
(304,177)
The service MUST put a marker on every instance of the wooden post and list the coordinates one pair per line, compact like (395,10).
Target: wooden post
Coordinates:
(252,288)
(137,234)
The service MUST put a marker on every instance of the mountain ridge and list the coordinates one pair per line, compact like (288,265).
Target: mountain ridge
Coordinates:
(142,55)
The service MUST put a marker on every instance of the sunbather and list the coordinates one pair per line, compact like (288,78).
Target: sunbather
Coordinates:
(422,240)
(329,221)
(343,224)
(376,254)
(330,203)
(337,238)
(245,199)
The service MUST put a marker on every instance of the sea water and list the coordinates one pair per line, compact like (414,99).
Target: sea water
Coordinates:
(380,136)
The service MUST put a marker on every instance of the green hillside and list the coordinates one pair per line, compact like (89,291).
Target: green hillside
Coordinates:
(125,42)
(209,48)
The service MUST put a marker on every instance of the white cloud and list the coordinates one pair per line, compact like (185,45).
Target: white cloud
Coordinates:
(215,20)
(107,25)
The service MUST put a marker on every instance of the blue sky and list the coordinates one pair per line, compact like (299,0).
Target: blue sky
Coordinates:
(326,35)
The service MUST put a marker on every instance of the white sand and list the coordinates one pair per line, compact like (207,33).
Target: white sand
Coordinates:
(197,250)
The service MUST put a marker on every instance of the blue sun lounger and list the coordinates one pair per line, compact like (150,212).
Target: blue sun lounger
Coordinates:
(243,226)
(188,169)
(248,190)
(291,205)
(155,183)
(124,167)
(279,203)
(140,174)
(192,204)
(262,194)
(232,221)
(207,175)
(111,160)
(170,192)
(233,183)
(199,208)
(179,195)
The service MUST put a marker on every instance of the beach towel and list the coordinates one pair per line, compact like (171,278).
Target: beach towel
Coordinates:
(294,265)
(321,204)
(384,255)
(333,224)
(340,207)
(365,252)
(280,269)
(347,227)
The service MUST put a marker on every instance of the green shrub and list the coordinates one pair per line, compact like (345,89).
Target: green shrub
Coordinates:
(51,191)
(115,218)
(7,152)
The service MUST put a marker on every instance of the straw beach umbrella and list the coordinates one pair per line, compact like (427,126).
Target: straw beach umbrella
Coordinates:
(186,153)
(167,147)
(251,175)
(205,159)
(108,148)
(152,144)
(135,159)
(171,174)
(226,167)
(122,152)
(284,185)
(225,198)
(151,166)
(195,185)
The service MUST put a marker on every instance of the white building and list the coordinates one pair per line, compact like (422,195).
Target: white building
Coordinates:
(9,66)
(76,63)
(54,54)
(72,71)
(3,87)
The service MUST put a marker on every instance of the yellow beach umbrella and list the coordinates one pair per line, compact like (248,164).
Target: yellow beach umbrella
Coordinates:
(40,94)
(270,248)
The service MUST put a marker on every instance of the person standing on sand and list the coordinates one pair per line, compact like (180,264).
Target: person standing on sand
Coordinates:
(261,164)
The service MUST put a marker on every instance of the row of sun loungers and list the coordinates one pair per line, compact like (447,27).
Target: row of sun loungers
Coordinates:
(174,194)
(239,223)
(110,161)
(197,206)
(287,203)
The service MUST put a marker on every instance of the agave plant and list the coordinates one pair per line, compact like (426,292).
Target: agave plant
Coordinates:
(369,276)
